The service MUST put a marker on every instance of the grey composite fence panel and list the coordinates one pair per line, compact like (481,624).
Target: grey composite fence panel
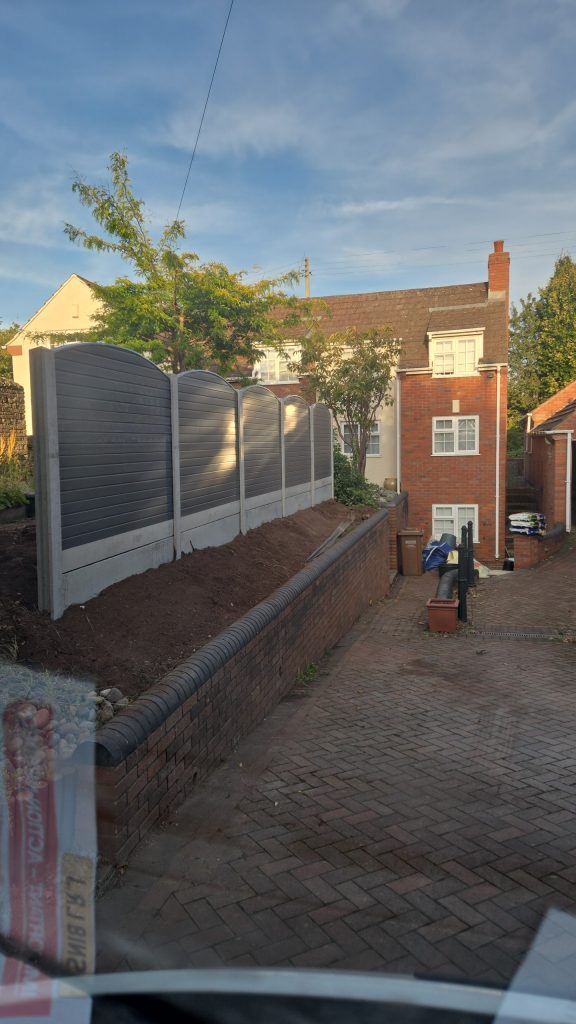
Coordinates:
(207,420)
(133,466)
(297,452)
(103,465)
(322,442)
(261,442)
(114,437)
(207,455)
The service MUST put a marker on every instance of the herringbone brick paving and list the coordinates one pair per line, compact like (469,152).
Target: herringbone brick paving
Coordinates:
(412,809)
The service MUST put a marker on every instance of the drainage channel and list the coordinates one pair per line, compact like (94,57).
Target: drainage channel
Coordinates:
(518,634)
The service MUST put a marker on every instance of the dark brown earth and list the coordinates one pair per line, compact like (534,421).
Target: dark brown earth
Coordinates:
(137,630)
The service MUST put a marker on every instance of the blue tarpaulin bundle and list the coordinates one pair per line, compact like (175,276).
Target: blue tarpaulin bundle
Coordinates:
(434,554)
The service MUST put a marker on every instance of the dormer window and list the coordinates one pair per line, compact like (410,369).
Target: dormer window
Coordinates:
(455,353)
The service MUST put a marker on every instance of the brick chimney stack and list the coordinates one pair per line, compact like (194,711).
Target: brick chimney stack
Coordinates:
(499,273)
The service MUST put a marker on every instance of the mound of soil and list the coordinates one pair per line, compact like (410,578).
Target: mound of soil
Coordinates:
(139,629)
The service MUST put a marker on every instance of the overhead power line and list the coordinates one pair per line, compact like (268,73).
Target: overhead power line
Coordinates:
(324,270)
(205,107)
(466,247)
(361,262)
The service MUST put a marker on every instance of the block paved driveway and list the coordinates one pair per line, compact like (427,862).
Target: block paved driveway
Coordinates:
(411,809)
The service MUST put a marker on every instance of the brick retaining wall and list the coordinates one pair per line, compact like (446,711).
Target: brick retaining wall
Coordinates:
(150,756)
(12,416)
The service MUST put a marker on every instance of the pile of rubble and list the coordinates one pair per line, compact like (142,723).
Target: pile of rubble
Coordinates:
(45,718)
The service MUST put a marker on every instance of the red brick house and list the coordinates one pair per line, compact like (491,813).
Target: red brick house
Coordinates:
(550,453)
(444,439)
(452,399)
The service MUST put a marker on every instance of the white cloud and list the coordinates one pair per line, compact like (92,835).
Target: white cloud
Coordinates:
(18,269)
(408,203)
(200,218)
(380,8)
(34,214)
(241,127)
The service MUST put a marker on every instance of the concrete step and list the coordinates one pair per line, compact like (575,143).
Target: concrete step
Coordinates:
(520,493)
(522,507)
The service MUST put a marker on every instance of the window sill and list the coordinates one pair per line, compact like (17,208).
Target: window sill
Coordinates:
(453,376)
(451,455)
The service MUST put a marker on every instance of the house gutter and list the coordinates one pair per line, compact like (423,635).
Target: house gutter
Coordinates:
(398,431)
(498,367)
(569,439)
(497,532)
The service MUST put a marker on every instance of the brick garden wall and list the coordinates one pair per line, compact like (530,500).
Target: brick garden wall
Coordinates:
(530,551)
(12,417)
(149,757)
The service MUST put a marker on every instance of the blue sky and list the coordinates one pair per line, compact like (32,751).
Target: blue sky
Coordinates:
(389,140)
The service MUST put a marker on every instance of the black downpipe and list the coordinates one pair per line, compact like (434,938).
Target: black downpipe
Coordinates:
(462,578)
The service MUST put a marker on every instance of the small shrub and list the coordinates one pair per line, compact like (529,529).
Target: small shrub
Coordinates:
(350,487)
(11,495)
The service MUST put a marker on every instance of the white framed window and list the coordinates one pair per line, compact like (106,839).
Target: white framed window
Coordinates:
(373,447)
(455,354)
(443,358)
(455,435)
(274,367)
(451,519)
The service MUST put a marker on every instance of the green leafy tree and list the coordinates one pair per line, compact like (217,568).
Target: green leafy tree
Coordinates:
(179,312)
(557,328)
(542,343)
(6,335)
(351,372)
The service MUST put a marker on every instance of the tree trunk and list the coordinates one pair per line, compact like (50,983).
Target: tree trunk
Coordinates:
(362,448)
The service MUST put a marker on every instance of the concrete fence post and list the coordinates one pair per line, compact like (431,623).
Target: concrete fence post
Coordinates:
(332,463)
(312,468)
(175,424)
(47,482)
(283,456)
(241,466)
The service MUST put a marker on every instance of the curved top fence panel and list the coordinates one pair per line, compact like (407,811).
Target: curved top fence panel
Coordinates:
(297,454)
(261,441)
(207,422)
(114,440)
(322,419)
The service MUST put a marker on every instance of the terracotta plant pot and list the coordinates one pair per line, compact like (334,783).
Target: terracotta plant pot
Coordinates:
(442,614)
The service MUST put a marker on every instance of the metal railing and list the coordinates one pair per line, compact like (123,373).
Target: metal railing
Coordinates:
(466,572)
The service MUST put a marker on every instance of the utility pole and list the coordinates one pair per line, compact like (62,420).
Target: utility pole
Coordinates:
(306,277)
